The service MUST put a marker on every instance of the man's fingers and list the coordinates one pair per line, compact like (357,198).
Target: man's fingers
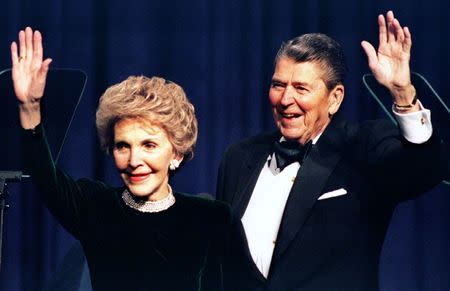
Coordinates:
(382,33)
(390,26)
(370,53)
(398,31)
(408,39)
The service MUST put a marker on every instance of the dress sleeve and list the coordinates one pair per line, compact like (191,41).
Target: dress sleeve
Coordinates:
(212,275)
(65,198)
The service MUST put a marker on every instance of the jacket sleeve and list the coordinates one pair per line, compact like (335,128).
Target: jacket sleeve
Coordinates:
(407,169)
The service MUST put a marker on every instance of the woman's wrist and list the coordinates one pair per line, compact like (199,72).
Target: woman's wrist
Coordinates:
(30,114)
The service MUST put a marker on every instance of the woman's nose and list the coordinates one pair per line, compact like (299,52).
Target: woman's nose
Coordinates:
(135,158)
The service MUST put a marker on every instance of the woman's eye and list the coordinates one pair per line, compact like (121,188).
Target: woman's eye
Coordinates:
(119,146)
(149,145)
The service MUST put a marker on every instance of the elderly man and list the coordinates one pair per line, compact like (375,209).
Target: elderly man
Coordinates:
(311,202)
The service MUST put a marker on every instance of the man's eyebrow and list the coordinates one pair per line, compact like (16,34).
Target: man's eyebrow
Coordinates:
(301,83)
(295,83)
(274,79)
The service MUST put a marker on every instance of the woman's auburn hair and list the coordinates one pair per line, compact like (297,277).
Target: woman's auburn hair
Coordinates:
(155,100)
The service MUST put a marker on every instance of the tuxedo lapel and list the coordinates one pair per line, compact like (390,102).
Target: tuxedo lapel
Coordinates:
(308,185)
(249,174)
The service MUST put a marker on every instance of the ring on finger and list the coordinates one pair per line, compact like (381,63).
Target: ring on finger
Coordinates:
(21,58)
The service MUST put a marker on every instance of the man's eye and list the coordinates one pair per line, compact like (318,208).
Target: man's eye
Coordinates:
(301,89)
(276,85)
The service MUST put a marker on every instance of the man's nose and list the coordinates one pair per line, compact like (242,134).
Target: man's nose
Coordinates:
(288,96)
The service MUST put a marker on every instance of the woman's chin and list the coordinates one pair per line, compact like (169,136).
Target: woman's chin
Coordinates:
(139,192)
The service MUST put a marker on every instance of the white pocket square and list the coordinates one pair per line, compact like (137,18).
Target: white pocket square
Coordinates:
(331,194)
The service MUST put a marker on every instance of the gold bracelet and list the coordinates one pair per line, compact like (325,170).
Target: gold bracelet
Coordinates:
(406,107)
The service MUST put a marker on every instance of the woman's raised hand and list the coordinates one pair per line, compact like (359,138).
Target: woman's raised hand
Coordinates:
(29,71)
(29,74)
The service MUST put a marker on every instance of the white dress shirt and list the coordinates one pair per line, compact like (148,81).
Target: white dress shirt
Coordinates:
(262,217)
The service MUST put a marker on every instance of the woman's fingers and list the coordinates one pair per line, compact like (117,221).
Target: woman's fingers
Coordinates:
(14,56)
(37,45)
(29,44)
(22,46)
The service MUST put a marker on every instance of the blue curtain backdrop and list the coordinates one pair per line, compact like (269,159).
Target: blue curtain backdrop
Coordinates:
(221,52)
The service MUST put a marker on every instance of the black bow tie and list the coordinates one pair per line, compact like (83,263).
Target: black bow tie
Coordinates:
(288,152)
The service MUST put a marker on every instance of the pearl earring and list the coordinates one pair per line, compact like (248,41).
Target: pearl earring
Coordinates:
(174,164)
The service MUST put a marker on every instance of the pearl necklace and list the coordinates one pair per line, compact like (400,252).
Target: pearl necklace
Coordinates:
(148,206)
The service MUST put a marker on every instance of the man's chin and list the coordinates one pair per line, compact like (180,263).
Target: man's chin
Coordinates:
(291,134)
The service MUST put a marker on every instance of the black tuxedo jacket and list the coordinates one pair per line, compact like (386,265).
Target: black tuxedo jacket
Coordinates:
(334,243)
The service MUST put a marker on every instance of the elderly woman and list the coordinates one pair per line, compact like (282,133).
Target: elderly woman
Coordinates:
(142,236)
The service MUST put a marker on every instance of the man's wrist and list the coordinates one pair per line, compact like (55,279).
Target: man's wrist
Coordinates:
(403,95)
(406,108)
(404,98)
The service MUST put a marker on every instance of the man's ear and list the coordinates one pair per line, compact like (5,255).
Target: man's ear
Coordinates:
(335,99)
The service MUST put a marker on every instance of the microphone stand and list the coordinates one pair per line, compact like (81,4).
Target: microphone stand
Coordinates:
(10,176)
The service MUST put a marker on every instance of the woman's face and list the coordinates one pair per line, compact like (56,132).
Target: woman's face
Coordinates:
(142,153)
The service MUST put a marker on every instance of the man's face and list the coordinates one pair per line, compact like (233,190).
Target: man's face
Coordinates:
(300,100)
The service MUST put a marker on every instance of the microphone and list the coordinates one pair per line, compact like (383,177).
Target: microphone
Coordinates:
(6,176)
(12,176)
